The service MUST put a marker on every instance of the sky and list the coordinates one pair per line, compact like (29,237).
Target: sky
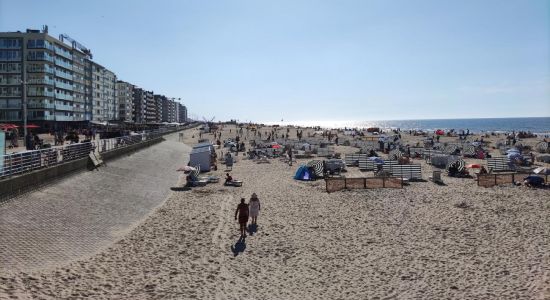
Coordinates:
(297,60)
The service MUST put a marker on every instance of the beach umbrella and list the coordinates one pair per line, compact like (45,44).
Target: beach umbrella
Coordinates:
(395,154)
(276,146)
(439,132)
(473,166)
(186,169)
(542,171)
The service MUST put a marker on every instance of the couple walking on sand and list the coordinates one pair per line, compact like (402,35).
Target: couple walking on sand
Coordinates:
(246,210)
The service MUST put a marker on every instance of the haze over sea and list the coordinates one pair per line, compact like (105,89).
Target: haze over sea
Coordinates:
(540,125)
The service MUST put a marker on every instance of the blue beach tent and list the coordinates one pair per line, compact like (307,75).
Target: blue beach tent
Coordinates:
(302,173)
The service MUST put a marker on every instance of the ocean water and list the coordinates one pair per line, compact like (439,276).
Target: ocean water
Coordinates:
(539,125)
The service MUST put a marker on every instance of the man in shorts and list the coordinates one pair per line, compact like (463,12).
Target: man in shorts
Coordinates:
(242,211)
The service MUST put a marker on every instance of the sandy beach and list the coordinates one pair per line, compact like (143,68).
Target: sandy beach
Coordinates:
(424,241)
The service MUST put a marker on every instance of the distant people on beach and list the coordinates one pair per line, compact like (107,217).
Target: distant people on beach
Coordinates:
(254,208)
(242,212)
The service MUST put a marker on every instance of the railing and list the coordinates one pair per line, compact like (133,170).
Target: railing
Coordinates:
(24,162)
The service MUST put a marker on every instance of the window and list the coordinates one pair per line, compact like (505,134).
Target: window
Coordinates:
(10,43)
(7,55)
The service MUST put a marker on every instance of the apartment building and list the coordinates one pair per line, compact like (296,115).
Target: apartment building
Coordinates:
(151,108)
(104,100)
(52,73)
(64,87)
(182,113)
(125,98)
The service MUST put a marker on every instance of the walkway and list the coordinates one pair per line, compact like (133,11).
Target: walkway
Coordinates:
(88,211)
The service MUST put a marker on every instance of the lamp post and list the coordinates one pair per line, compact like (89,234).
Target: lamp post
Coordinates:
(24,103)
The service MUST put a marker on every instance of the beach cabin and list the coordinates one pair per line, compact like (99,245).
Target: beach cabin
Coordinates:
(204,155)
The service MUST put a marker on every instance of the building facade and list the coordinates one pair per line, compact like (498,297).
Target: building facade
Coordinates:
(182,113)
(139,105)
(51,72)
(104,97)
(125,98)
(64,87)
(169,110)
(150,108)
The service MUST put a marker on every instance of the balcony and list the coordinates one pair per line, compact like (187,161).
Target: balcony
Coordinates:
(40,93)
(64,107)
(40,81)
(60,52)
(63,64)
(40,106)
(64,86)
(40,58)
(63,96)
(64,118)
(44,118)
(64,75)
(41,69)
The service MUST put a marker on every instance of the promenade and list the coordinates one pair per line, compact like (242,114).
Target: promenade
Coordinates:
(87,212)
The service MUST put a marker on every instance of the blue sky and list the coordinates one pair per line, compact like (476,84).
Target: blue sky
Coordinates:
(317,60)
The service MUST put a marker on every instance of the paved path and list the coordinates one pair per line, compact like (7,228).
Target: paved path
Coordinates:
(86,212)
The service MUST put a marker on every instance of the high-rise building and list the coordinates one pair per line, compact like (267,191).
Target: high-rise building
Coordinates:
(52,72)
(169,110)
(104,100)
(182,113)
(139,103)
(64,87)
(125,95)
(150,108)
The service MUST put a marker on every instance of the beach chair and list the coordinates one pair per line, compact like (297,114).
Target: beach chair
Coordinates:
(436,177)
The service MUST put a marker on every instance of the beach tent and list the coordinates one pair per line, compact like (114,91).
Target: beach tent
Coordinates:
(303,173)
(439,132)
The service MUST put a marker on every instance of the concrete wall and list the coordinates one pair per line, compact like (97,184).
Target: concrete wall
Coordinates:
(11,187)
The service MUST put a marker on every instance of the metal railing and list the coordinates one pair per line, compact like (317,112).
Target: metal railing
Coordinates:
(28,161)
(24,162)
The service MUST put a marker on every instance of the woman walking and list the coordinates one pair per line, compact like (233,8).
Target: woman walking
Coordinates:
(242,211)
(254,207)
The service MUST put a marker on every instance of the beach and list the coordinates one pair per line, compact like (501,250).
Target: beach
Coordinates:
(422,241)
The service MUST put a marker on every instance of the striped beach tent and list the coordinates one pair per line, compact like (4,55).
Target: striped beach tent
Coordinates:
(195,173)
(459,164)
(451,148)
(395,154)
(469,150)
(542,147)
(318,167)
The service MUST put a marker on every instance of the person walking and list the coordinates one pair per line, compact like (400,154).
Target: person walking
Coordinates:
(242,211)
(254,208)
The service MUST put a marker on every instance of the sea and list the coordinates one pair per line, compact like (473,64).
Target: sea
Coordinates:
(537,125)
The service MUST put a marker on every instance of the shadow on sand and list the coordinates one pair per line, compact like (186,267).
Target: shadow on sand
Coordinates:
(252,228)
(239,246)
